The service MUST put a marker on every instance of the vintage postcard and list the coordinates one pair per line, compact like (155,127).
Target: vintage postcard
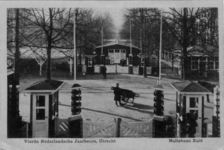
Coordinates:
(111,75)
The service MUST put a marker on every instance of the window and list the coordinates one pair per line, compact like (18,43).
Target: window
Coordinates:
(79,60)
(193,102)
(116,50)
(40,101)
(142,61)
(90,62)
(216,63)
(194,63)
(111,51)
(210,63)
(40,111)
(40,114)
(202,59)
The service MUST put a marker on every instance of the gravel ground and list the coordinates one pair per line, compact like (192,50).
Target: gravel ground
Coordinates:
(97,98)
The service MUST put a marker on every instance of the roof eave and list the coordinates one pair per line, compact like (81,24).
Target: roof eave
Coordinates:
(44,91)
(195,93)
(117,44)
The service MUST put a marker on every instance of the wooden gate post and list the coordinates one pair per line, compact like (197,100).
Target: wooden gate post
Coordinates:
(117,127)
(56,129)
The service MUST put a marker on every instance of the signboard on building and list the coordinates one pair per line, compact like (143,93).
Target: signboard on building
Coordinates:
(148,70)
(135,70)
(84,69)
(154,62)
(96,69)
(141,55)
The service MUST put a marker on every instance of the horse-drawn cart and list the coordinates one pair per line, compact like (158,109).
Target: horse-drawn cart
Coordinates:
(126,95)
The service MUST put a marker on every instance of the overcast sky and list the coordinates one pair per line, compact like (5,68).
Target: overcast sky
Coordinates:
(116,14)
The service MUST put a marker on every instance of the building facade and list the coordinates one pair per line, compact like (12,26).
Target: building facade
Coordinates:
(117,53)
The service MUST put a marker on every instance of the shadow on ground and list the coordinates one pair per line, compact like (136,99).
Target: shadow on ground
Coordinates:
(103,112)
(140,108)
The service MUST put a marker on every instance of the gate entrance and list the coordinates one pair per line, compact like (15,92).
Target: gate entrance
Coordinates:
(117,128)
(194,106)
(40,115)
(117,69)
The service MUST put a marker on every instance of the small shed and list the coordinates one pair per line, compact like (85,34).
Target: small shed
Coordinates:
(190,98)
(44,107)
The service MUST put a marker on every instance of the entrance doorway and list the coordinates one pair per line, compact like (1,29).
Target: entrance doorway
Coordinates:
(40,115)
(116,54)
(194,106)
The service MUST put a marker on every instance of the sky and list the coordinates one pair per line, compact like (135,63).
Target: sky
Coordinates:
(116,14)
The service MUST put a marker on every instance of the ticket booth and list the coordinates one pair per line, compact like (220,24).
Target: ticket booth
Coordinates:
(190,97)
(44,107)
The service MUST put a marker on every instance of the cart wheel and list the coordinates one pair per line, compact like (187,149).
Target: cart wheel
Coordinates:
(131,100)
(124,99)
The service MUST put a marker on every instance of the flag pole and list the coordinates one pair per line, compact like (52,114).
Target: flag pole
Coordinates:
(102,61)
(130,39)
(74,53)
(160,47)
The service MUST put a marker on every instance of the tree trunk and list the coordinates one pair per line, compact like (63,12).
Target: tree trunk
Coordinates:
(185,45)
(49,41)
(172,62)
(158,64)
(17,52)
(48,61)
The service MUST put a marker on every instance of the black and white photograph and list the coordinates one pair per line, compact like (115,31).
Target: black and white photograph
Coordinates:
(89,74)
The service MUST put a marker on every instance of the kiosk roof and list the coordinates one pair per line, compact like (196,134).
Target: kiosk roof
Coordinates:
(45,85)
(189,86)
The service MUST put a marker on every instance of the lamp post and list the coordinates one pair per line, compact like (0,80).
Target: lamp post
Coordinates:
(102,56)
(74,53)
(130,67)
(130,39)
(160,47)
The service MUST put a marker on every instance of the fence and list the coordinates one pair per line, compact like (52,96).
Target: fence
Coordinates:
(216,115)
(170,71)
(61,128)
(117,128)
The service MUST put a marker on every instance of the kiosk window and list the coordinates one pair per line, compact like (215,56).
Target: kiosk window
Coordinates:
(193,102)
(40,114)
(40,101)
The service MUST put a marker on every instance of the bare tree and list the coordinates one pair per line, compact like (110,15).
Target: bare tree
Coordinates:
(190,27)
(47,29)
(182,28)
(52,28)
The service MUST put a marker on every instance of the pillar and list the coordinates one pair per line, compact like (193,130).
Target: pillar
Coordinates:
(102,58)
(130,66)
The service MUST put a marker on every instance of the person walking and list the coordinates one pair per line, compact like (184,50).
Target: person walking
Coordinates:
(104,72)
(117,95)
